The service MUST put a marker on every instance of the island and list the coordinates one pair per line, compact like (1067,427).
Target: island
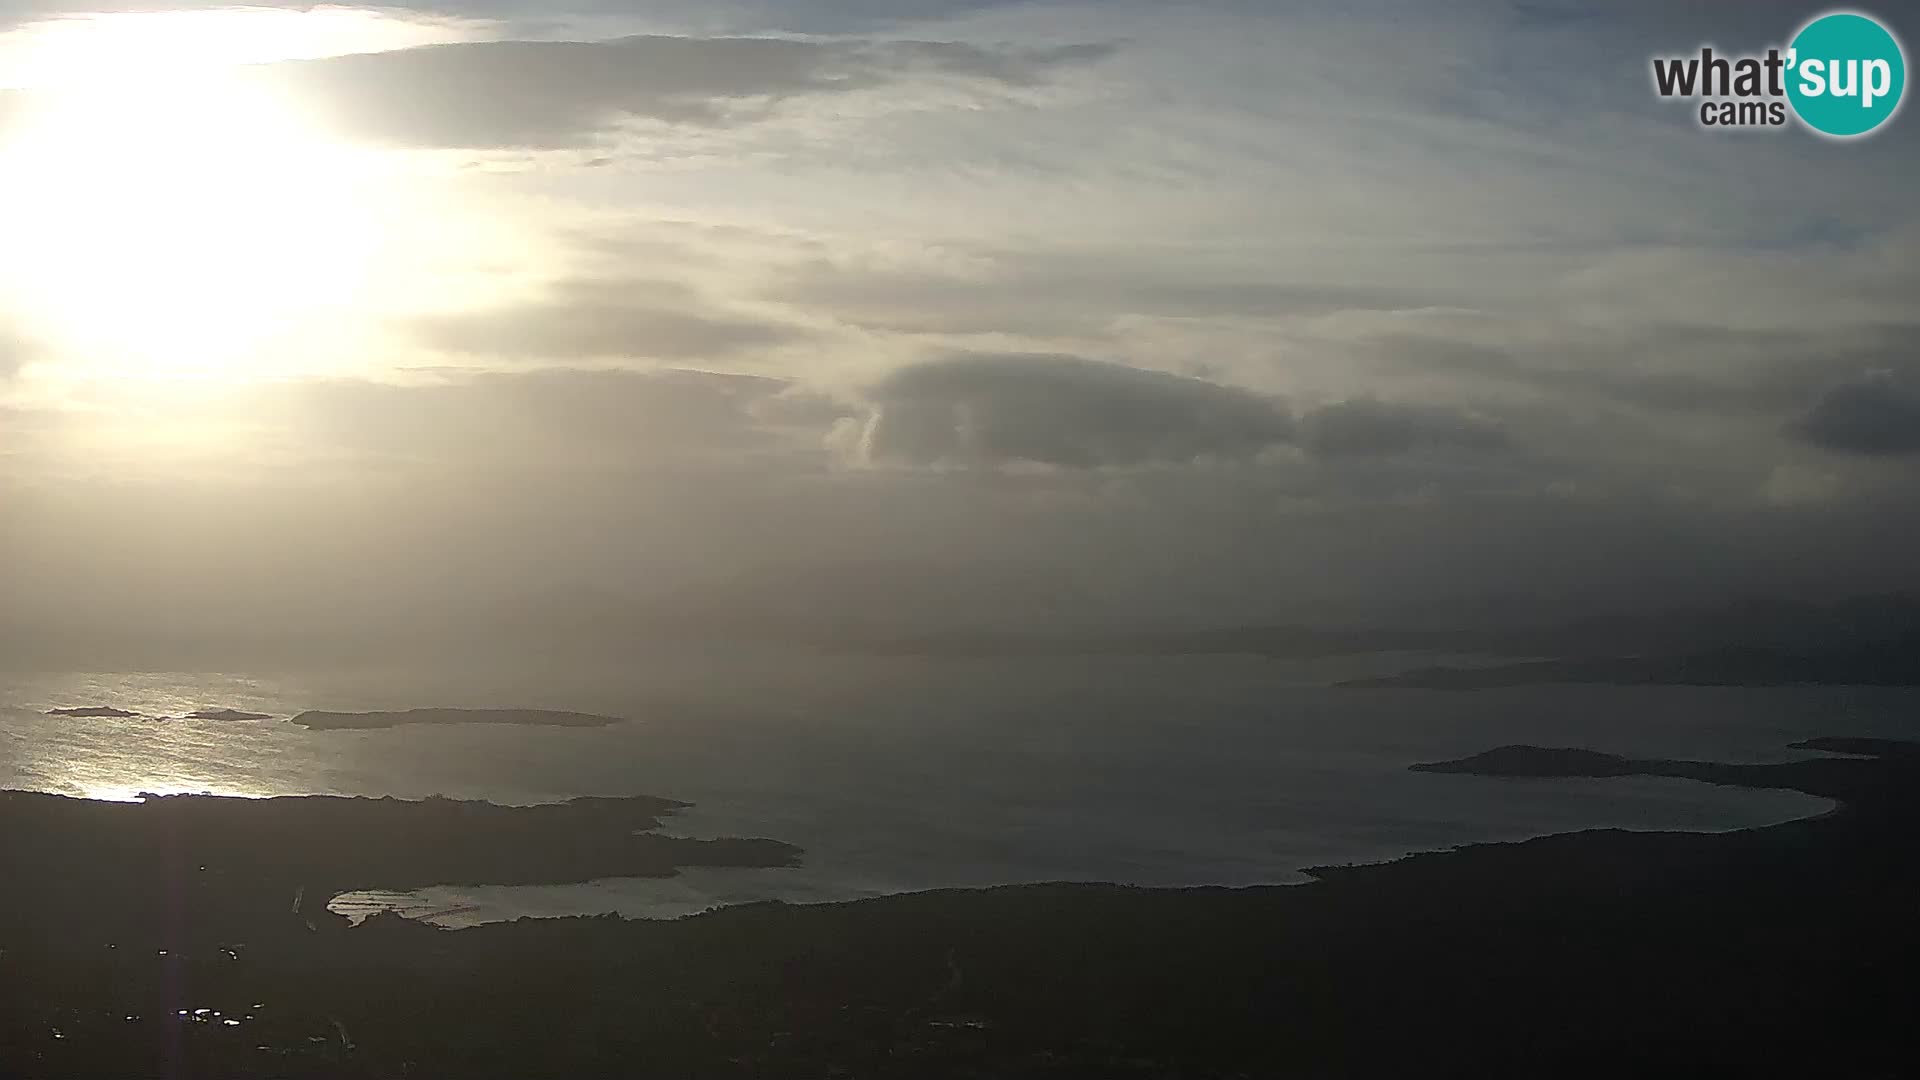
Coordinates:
(1826,777)
(1878,666)
(188,936)
(107,712)
(321,720)
(225,714)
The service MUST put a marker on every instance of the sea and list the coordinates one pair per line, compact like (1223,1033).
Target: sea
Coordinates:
(898,774)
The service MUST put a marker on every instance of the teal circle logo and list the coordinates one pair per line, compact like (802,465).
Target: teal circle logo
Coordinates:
(1847,74)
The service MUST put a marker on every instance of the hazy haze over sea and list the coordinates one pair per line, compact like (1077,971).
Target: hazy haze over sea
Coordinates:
(905,773)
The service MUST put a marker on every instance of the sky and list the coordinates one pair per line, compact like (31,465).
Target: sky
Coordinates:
(945,311)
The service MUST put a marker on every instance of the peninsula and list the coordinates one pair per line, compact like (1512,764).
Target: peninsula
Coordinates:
(188,936)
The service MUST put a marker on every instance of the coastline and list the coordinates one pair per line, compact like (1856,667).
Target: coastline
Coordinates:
(1502,959)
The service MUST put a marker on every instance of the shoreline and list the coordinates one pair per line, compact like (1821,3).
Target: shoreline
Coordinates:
(1301,874)
(1507,958)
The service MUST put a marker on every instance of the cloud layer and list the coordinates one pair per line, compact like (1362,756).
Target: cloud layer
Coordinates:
(991,410)
(1310,310)
(550,94)
(608,319)
(1876,416)
(1061,410)
(1365,426)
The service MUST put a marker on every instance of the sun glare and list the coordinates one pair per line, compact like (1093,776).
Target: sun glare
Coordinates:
(180,228)
(129,793)
(83,49)
(172,217)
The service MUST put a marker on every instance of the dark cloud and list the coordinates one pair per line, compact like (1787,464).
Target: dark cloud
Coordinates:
(999,409)
(1706,371)
(340,501)
(593,319)
(1062,410)
(1875,415)
(1365,426)
(548,94)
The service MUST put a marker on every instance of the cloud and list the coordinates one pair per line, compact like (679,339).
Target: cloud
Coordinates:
(554,94)
(1012,67)
(1366,426)
(958,291)
(1875,415)
(802,407)
(1553,332)
(989,410)
(591,319)
(1062,410)
(535,422)
(16,349)
(801,16)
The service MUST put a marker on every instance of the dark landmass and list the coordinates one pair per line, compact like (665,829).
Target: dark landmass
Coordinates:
(95,712)
(1827,777)
(235,857)
(1534,761)
(226,714)
(334,721)
(1782,951)
(1880,666)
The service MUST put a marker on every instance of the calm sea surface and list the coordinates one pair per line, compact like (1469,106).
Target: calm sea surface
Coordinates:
(903,774)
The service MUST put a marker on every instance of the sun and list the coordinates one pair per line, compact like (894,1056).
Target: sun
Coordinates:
(178,226)
(171,208)
(166,211)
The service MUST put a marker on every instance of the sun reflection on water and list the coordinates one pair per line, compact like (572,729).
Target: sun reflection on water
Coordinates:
(131,793)
(158,751)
